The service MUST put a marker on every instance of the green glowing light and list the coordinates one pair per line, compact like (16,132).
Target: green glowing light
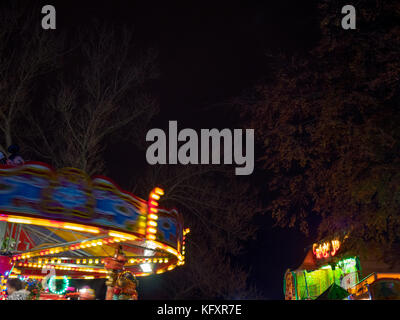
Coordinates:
(53,288)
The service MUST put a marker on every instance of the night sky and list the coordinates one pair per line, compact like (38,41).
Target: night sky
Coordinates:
(209,54)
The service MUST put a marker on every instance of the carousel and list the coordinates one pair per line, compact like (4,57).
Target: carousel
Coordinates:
(61,225)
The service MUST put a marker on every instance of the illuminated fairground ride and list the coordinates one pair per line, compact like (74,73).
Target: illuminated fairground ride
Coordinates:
(76,227)
(331,272)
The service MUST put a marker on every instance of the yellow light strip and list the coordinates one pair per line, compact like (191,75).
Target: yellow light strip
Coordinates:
(388,275)
(49,223)
(83,244)
(33,266)
(126,236)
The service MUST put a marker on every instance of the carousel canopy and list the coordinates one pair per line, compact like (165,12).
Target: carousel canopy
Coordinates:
(67,221)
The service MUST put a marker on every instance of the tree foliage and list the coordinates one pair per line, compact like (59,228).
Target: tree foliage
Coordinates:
(329,126)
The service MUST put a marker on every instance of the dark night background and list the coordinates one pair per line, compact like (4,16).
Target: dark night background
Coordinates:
(210,53)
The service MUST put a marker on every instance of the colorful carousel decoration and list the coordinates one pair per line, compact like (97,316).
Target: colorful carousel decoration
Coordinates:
(65,225)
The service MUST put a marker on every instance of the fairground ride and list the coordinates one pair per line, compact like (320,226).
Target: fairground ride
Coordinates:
(69,225)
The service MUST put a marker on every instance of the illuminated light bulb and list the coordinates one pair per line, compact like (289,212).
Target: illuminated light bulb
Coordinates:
(154,210)
(84,261)
(151,230)
(165,260)
(90,261)
(159,191)
(155,196)
(153,216)
(155,260)
(152,223)
(154,203)
(151,237)
(96,261)
(99,243)
(146,267)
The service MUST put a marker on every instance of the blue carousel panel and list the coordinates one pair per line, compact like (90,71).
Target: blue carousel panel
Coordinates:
(68,194)
(169,228)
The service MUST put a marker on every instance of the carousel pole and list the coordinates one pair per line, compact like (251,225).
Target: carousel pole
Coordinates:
(3,228)
(115,265)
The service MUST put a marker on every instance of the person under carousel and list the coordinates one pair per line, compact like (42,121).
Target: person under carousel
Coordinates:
(16,290)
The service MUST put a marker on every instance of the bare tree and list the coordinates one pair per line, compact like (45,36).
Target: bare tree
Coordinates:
(26,53)
(220,211)
(104,94)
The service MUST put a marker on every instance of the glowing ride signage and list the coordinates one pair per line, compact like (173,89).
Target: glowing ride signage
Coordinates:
(326,249)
